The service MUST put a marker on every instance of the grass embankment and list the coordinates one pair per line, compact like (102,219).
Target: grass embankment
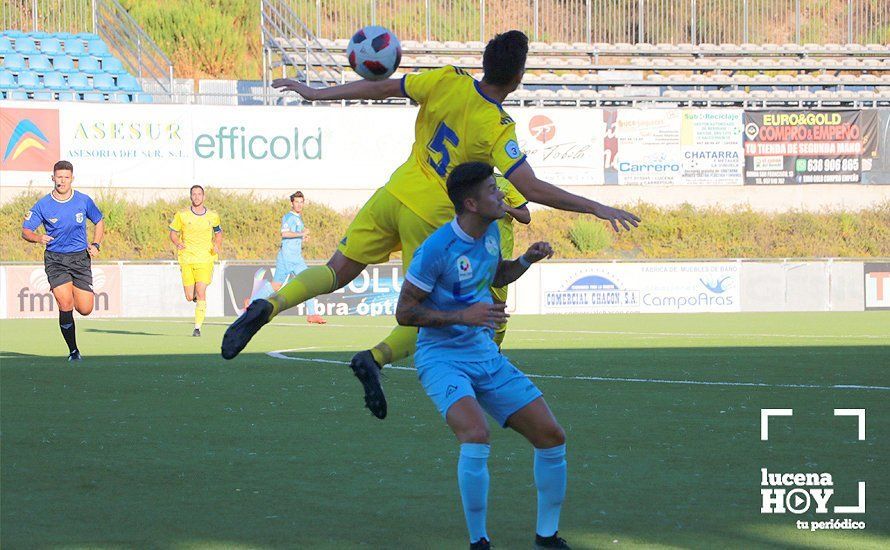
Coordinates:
(251,225)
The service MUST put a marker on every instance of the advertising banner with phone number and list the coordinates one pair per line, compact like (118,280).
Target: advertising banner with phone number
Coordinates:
(803,147)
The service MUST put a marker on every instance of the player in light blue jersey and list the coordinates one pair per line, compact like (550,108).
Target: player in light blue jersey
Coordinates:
(67,258)
(290,258)
(446,293)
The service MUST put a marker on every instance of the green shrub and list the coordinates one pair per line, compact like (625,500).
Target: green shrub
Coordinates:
(589,237)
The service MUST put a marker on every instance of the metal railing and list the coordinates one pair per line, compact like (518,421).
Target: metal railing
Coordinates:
(107,18)
(288,43)
(591,21)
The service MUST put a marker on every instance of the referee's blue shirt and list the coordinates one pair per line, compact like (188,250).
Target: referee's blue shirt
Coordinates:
(65,221)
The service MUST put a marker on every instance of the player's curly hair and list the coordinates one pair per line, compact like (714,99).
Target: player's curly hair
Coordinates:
(463,182)
(504,57)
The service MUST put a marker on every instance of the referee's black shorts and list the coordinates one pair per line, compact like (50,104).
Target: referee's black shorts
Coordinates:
(72,267)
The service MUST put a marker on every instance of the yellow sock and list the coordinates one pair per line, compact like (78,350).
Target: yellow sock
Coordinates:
(200,311)
(499,334)
(309,283)
(400,343)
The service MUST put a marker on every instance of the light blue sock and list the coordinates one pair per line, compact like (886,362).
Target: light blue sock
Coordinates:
(550,479)
(472,477)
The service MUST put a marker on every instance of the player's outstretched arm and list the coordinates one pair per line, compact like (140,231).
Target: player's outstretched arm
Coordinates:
(411,312)
(360,89)
(541,192)
(510,270)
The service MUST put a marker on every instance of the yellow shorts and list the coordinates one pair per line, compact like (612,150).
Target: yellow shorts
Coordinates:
(384,225)
(196,273)
(499,294)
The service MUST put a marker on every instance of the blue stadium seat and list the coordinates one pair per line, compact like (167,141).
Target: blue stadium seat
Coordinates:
(44,95)
(30,80)
(89,65)
(97,47)
(18,95)
(67,95)
(54,80)
(7,80)
(121,98)
(12,33)
(113,65)
(87,36)
(143,98)
(128,82)
(63,35)
(38,35)
(94,97)
(63,63)
(5,45)
(39,63)
(14,62)
(25,45)
(79,82)
(50,46)
(103,81)
(74,47)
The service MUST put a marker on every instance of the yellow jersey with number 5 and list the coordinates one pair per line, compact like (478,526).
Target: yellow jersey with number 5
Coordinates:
(457,123)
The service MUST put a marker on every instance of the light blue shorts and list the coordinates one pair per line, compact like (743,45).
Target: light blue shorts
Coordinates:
(499,387)
(285,269)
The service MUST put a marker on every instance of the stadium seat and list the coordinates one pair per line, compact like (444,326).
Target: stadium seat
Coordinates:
(104,82)
(39,63)
(14,62)
(79,82)
(63,63)
(5,45)
(54,80)
(38,35)
(44,95)
(12,33)
(121,98)
(67,95)
(88,64)
(7,80)
(50,46)
(87,36)
(17,95)
(97,47)
(128,83)
(113,65)
(94,97)
(74,47)
(29,80)
(143,98)
(25,45)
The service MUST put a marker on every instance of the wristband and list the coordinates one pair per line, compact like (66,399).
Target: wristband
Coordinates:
(96,245)
(523,262)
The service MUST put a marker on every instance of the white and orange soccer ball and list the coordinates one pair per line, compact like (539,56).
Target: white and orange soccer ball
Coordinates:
(374,52)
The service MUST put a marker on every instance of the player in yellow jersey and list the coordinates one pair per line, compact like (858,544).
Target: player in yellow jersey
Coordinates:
(460,120)
(197,234)
(516,209)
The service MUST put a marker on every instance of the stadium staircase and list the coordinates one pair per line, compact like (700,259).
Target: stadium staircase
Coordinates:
(115,61)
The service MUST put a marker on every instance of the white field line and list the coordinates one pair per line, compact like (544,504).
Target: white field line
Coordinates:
(539,331)
(280,354)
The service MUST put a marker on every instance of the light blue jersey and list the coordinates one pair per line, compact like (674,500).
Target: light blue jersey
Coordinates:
(65,221)
(292,249)
(457,271)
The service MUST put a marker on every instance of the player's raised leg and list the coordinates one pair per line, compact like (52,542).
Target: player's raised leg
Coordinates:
(536,422)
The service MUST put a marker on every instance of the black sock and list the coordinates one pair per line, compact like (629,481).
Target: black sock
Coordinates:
(66,324)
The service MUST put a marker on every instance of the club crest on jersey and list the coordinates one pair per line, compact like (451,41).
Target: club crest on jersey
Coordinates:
(28,215)
(53,220)
(78,217)
(464,269)
(491,245)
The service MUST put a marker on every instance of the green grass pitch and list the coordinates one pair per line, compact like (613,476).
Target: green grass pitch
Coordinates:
(155,442)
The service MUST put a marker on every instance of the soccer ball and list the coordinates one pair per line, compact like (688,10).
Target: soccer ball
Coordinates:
(374,52)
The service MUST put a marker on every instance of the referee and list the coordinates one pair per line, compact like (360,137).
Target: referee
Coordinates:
(63,213)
